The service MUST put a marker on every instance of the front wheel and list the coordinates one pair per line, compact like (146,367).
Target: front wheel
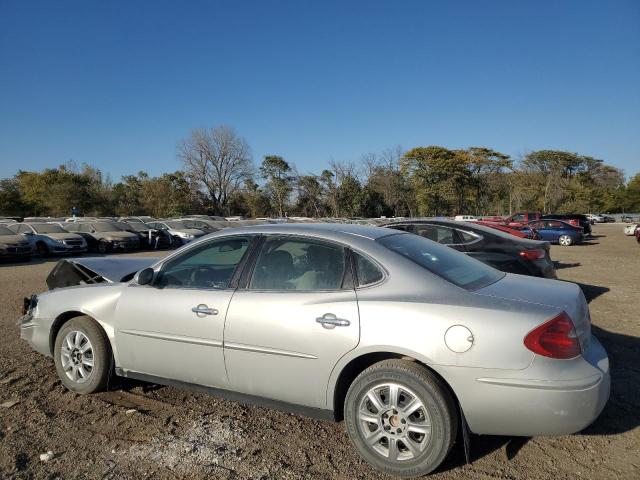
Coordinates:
(401,418)
(565,240)
(82,355)
(42,249)
(103,246)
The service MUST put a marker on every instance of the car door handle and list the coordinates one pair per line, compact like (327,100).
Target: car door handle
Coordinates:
(203,309)
(329,321)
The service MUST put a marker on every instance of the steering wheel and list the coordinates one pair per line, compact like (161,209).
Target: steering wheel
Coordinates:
(199,270)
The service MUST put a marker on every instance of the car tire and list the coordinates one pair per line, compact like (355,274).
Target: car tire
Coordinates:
(103,246)
(565,240)
(396,441)
(82,355)
(42,249)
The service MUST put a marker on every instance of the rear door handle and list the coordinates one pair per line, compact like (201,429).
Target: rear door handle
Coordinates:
(329,321)
(203,309)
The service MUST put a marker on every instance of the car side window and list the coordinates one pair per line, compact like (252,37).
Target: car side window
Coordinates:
(211,265)
(466,237)
(436,233)
(286,263)
(368,272)
(404,228)
(14,228)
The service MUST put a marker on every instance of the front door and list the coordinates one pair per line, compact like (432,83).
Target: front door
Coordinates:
(174,327)
(297,317)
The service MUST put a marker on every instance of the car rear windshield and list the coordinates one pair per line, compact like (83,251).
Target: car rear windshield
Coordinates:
(443,261)
(47,228)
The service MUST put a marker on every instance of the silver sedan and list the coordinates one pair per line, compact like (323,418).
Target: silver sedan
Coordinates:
(406,340)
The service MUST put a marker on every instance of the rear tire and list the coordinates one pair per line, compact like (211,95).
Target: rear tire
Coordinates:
(401,418)
(82,355)
(565,240)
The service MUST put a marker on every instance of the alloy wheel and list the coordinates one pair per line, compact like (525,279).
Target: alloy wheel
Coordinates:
(76,354)
(394,422)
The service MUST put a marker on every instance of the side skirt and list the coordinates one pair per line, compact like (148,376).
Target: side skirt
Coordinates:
(317,413)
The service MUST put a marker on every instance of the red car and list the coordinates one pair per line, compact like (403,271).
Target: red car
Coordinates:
(531,234)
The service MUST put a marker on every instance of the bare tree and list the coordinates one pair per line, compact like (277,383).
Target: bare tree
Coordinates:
(218,161)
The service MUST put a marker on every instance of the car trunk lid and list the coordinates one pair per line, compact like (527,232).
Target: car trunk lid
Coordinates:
(564,296)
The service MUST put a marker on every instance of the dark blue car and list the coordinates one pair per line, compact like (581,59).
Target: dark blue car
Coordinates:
(556,231)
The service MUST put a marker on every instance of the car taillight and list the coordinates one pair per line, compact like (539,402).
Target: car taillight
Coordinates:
(556,338)
(575,223)
(535,254)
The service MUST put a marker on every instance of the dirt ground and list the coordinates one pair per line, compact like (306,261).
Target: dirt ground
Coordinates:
(145,431)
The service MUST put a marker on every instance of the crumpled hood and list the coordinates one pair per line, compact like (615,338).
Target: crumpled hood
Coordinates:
(89,270)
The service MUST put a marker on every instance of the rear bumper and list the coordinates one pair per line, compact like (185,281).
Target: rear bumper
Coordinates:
(551,397)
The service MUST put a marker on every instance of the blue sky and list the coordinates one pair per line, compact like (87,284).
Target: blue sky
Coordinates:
(117,84)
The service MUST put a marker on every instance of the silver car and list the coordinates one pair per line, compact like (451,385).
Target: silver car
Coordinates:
(406,340)
(50,238)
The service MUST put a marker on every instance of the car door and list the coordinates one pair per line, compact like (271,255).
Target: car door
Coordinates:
(295,318)
(173,328)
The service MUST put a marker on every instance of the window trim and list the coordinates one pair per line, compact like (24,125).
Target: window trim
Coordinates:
(235,277)
(354,268)
(303,238)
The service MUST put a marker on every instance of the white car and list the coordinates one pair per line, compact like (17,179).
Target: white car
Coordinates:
(465,218)
(630,229)
(180,233)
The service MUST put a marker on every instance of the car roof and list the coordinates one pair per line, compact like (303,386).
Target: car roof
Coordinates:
(328,230)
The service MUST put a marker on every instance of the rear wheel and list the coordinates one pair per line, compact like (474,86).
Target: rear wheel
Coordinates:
(565,240)
(82,355)
(400,418)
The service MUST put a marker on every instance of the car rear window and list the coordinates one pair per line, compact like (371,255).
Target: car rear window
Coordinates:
(453,266)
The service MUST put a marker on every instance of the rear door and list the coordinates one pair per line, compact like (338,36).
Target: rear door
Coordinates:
(296,317)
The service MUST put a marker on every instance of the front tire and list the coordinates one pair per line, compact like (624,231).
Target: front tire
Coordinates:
(103,246)
(401,418)
(82,355)
(565,240)
(42,249)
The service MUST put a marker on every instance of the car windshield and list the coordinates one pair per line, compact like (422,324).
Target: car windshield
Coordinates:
(176,224)
(47,228)
(5,231)
(106,227)
(137,226)
(443,261)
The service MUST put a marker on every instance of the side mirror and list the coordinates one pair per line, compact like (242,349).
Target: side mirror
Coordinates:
(145,276)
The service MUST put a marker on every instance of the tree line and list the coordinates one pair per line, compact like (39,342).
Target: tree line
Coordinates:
(219,177)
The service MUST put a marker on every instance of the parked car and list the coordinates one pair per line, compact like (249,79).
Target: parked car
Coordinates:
(465,218)
(530,233)
(150,238)
(13,245)
(520,219)
(577,220)
(557,231)
(204,224)
(140,218)
(396,334)
(105,237)
(637,233)
(594,218)
(50,238)
(180,233)
(630,229)
(499,249)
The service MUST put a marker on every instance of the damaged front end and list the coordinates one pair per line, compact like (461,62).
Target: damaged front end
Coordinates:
(86,271)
